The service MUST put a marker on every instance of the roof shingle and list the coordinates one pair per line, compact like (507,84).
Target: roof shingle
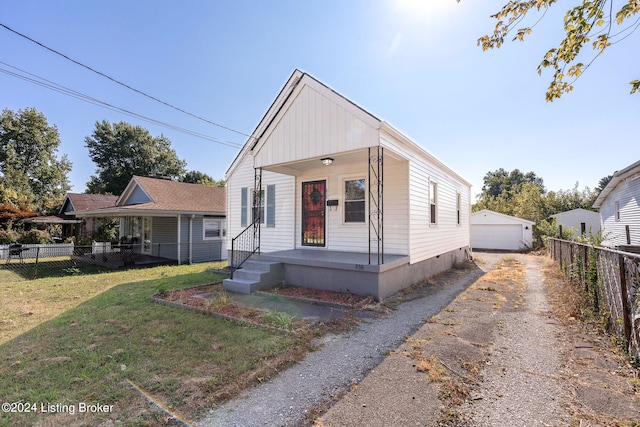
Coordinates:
(169,195)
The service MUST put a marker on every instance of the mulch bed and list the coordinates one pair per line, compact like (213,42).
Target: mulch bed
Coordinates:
(319,296)
(221,304)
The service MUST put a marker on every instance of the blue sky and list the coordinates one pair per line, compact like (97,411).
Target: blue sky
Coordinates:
(412,63)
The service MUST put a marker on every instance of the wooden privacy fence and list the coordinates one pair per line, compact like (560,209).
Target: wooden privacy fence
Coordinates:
(612,280)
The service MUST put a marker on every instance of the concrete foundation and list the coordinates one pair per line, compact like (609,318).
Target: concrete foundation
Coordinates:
(350,272)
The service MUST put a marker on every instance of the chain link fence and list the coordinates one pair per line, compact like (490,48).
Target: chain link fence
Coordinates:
(30,261)
(612,280)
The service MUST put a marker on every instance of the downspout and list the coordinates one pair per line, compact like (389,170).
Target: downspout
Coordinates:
(191,239)
(178,251)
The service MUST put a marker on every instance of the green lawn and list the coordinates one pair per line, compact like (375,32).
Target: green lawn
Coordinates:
(86,339)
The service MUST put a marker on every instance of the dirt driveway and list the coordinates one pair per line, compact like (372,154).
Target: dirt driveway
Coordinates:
(504,352)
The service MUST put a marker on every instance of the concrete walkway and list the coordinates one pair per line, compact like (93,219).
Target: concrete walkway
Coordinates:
(341,361)
(271,302)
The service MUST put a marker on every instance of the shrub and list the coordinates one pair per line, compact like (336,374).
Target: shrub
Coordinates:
(36,236)
(9,236)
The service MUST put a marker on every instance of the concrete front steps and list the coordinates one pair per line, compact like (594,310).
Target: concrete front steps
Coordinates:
(255,275)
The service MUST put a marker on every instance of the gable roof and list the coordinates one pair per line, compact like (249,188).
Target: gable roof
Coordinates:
(618,177)
(295,81)
(504,218)
(293,87)
(167,197)
(580,211)
(84,202)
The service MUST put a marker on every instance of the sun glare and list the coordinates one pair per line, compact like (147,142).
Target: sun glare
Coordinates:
(424,9)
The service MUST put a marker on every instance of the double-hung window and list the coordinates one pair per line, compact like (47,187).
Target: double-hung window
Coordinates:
(213,228)
(354,201)
(254,203)
(258,205)
(433,202)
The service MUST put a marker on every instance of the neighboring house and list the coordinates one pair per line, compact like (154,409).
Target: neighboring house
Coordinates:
(493,230)
(71,224)
(619,205)
(172,220)
(583,222)
(338,199)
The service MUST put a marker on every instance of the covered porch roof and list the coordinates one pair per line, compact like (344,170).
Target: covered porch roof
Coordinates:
(300,167)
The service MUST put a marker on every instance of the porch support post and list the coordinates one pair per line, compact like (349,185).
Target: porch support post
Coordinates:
(191,239)
(376,192)
(179,243)
(257,203)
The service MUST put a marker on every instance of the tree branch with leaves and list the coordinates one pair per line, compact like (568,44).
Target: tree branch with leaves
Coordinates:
(598,22)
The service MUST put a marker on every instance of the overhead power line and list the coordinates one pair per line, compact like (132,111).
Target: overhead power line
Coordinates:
(121,83)
(40,81)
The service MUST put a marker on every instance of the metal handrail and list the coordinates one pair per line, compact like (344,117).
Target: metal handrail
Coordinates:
(244,245)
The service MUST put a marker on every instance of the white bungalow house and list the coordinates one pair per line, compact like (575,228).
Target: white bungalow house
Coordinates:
(332,197)
(160,218)
(497,231)
(582,222)
(619,205)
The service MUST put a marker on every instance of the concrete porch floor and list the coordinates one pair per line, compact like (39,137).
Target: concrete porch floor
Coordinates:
(335,259)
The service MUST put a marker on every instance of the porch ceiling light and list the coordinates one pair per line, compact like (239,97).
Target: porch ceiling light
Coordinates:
(327,161)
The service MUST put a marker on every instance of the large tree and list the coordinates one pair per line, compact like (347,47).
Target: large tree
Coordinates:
(29,165)
(501,181)
(197,177)
(600,23)
(121,150)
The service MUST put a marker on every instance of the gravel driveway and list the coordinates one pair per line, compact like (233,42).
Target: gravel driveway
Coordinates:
(341,360)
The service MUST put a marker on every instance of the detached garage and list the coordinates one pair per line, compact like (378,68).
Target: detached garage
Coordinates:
(493,230)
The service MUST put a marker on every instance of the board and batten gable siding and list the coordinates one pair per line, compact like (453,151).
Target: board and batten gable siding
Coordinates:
(427,240)
(278,237)
(627,195)
(312,124)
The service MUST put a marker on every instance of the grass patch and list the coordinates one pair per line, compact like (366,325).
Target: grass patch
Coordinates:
(279,319)
(84,338)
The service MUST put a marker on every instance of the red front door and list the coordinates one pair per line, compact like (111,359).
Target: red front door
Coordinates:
(313,224)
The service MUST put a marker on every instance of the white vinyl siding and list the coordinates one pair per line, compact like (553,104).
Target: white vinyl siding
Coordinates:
(621,208)
(426,241)
(353,237)
(574,219)
(279,237)
(312,122)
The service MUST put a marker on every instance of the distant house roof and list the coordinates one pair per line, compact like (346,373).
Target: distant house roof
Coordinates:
(582,211)
(618,177)
(149,196)
(486,216)
(73,203)
(85,202)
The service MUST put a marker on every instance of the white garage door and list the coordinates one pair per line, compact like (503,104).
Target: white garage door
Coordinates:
(496,236)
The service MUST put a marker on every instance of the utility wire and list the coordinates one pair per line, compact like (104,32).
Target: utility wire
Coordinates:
(121,83)
(40,81)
